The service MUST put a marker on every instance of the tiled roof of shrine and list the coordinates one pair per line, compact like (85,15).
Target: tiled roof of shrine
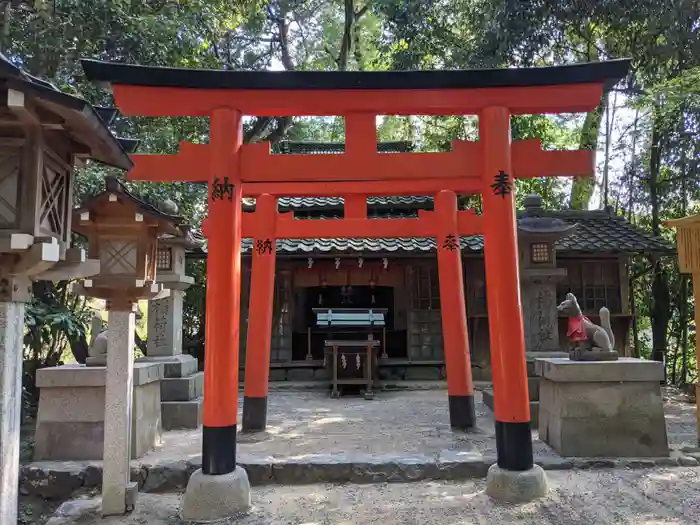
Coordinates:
(597,231)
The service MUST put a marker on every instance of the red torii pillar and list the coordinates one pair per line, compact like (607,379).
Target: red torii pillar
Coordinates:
(454,314)
(508,365)
(262,287)
(224,225)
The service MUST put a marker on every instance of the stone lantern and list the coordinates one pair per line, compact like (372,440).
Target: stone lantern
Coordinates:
(183,383)
(122,233)
(44,134)
(539,275)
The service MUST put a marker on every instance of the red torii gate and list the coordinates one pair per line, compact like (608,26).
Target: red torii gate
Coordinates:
(487,167)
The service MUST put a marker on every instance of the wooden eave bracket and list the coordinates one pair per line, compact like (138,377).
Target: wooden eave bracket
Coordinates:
(18,104)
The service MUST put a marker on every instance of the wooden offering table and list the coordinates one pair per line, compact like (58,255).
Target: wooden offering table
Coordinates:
(351,348)
(354,363)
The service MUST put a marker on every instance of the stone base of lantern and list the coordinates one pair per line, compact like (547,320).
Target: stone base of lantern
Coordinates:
(70,421)
(602,409)
(181,391)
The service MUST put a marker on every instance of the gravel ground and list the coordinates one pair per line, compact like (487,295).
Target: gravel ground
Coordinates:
(413,422)
(658,497)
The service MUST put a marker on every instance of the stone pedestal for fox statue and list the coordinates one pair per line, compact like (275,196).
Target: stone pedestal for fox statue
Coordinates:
(588,341)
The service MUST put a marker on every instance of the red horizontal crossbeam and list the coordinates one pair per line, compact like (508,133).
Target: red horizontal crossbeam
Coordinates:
(258,166)
(286,227)
(429,186)
(151,101)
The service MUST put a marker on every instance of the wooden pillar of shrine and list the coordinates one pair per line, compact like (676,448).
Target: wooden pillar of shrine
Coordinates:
(454,315)
(259,337)
(509,369)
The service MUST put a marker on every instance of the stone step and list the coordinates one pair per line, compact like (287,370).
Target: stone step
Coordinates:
(532,356)
(182,365)
(533,386)
(182,388)
(534,407)
(59,480)
(181,414)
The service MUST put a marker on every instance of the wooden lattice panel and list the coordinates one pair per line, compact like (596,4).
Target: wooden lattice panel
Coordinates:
(688,244)
(55,191)
(9,178)
(118,257)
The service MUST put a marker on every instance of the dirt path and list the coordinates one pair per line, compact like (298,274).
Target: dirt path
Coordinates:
(654,497)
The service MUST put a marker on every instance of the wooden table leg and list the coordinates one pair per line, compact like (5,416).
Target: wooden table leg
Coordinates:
(369,393)
(334,392)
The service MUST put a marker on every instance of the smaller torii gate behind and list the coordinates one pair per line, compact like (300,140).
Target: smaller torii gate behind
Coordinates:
(487,167)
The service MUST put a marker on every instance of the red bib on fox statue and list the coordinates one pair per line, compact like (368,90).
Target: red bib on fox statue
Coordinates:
(576,331)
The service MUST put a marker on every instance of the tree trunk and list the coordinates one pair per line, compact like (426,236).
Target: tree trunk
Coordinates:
(660,300)
(582,188)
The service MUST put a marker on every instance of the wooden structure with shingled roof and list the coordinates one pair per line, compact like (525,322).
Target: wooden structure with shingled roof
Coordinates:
(688,243)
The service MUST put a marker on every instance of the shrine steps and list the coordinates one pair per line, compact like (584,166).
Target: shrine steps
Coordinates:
(181,391)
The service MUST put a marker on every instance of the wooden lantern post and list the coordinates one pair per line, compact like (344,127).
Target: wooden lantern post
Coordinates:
(44,133)
(688,245)
(122,233)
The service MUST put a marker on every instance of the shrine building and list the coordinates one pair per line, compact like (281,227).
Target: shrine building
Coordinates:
(397,279)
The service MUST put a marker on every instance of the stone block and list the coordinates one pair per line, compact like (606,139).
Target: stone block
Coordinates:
(300,374)
(182,365)
(487,398)
(533,387)
(278,374)
(391,373)
(70,420)
(599,415)
(423,373)
(322,374)
(516,486)
(182,388)
(181,414)
(211,498)
(625,369)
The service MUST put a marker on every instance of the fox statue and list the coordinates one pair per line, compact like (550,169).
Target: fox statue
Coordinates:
(582,332)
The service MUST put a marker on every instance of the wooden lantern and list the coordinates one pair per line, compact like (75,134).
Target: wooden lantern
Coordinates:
(44,133)
(123,233)
(688,246)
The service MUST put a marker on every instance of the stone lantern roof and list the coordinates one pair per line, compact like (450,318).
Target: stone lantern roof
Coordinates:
(533,221)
